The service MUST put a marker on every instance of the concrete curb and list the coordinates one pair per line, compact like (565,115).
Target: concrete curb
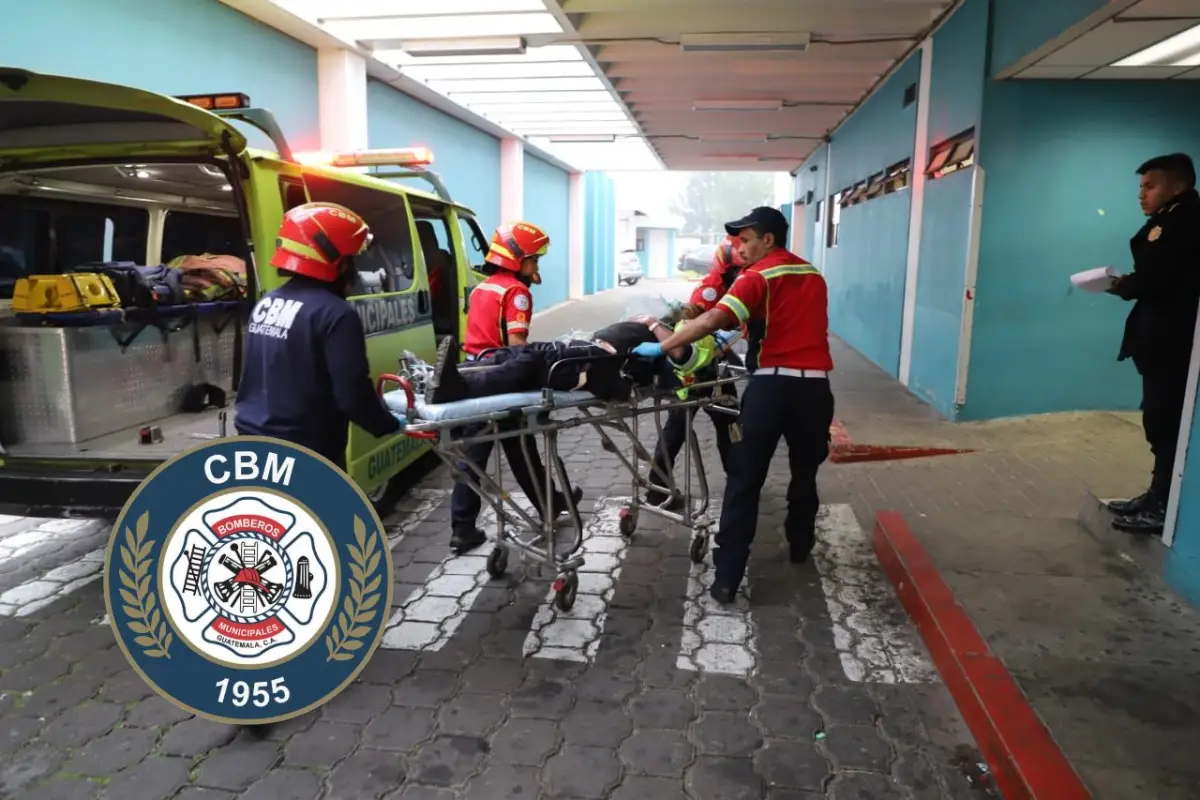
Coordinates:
(1148,551)
(1022,754)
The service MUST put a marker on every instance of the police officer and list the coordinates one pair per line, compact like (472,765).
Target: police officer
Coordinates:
(306,376)
(498,316)
(788,394)
(1165,289)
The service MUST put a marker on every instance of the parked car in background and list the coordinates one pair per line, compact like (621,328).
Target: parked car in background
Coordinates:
(696,262)
(629,268)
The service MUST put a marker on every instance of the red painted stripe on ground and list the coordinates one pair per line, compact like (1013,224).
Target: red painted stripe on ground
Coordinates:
(853,453)
(838,435)
(1022,754)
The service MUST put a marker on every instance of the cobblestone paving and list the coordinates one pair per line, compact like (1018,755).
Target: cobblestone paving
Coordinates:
(812,687)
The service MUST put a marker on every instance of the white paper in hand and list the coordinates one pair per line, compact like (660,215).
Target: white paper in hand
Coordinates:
(1095,280)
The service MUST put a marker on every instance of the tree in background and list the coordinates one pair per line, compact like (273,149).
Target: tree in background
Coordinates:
(710,199)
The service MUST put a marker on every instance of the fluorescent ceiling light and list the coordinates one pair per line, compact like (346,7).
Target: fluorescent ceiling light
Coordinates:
(484,86)
(733,137)
(581,138)
(547,109)
(1180,50)
(534,55)
(739,42)
(622,128)
(333,9)
(434,48)
(550,119)
(517,96)
(737,105)
(511,70)
(445,27)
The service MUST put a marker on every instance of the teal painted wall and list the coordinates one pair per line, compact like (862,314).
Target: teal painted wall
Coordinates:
(548,204)
(178,47)
(1061,196)
(937,322)
(600,233)
(865,270)
(811,178)
(1021,26)
(467,158)
(956,81)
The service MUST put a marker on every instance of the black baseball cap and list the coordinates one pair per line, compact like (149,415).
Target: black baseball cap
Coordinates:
(766,218)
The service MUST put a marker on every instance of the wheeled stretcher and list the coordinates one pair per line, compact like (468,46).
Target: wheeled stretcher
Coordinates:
(453,427)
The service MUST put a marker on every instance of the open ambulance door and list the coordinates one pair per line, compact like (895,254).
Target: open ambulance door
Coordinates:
(473,245)
(51,118)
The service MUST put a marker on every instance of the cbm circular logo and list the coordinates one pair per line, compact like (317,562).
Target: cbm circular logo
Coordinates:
(248,580)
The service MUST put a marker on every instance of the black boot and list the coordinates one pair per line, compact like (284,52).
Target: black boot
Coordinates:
(560,502)
(465,537)
(1149,521)
(1127,508)
(800,545)
(446,385)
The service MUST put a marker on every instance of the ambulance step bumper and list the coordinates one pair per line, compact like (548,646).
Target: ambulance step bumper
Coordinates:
(57,493)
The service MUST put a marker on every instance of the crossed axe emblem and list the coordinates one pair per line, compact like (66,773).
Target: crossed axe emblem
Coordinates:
(244,575)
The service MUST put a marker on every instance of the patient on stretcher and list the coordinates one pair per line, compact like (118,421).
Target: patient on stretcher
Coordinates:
(531,367)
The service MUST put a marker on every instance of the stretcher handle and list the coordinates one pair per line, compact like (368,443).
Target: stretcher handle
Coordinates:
(411,403)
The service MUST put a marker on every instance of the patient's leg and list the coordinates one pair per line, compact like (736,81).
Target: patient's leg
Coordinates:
(518,371)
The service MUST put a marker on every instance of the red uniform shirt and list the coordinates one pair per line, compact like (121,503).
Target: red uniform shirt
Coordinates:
(718,279)
(790,296)
(499,307)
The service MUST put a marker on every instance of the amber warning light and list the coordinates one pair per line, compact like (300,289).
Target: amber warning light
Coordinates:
(217,102)
(412,157)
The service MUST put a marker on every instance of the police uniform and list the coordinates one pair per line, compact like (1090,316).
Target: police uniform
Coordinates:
(788,396)
(1165,285)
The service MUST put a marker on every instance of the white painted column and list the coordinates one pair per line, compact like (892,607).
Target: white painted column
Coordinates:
(917,213)
(577,236)
(512,180)
(342,100)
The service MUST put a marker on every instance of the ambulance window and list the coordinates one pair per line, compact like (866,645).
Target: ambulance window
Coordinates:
(387,265)
(292,191)
(186,234)
(476,246)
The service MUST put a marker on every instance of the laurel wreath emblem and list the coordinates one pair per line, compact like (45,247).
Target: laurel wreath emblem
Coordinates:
(141,603)
(351,628)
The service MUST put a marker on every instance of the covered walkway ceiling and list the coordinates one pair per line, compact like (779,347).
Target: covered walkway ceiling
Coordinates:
(611,84)
(1149,40)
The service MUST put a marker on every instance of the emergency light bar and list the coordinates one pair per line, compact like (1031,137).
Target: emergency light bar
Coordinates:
(217,102)
(407,157)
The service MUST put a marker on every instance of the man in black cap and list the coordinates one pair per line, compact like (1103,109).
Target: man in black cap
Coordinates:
(788,395)
(1165,288)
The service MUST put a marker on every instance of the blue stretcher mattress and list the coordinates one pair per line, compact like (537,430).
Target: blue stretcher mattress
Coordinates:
(86,319)
(397,402)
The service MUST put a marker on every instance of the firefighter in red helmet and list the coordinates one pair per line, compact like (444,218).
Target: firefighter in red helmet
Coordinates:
(498,316)
(306,376)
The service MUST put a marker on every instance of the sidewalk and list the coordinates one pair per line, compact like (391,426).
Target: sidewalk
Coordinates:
(1105,653)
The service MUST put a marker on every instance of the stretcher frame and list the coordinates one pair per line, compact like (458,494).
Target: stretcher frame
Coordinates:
(537,541)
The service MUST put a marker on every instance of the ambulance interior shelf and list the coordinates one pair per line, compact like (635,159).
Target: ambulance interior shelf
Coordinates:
(126,324)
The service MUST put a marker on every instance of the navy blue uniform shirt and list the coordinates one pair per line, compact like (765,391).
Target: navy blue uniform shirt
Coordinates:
(306,375)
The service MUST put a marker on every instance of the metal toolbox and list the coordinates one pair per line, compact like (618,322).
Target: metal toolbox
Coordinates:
(69,385)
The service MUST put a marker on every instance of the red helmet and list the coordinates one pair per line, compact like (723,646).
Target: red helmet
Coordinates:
(315,239)
(512,244)
(727,253)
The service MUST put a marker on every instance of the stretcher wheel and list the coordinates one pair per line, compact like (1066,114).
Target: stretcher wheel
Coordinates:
(699,549)
(627,522)
(497,561)
(565,591)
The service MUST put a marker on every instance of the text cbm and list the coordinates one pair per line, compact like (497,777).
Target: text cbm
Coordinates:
(246,468)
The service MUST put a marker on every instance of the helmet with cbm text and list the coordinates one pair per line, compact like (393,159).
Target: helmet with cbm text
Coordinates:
(316,239)
(512,244)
